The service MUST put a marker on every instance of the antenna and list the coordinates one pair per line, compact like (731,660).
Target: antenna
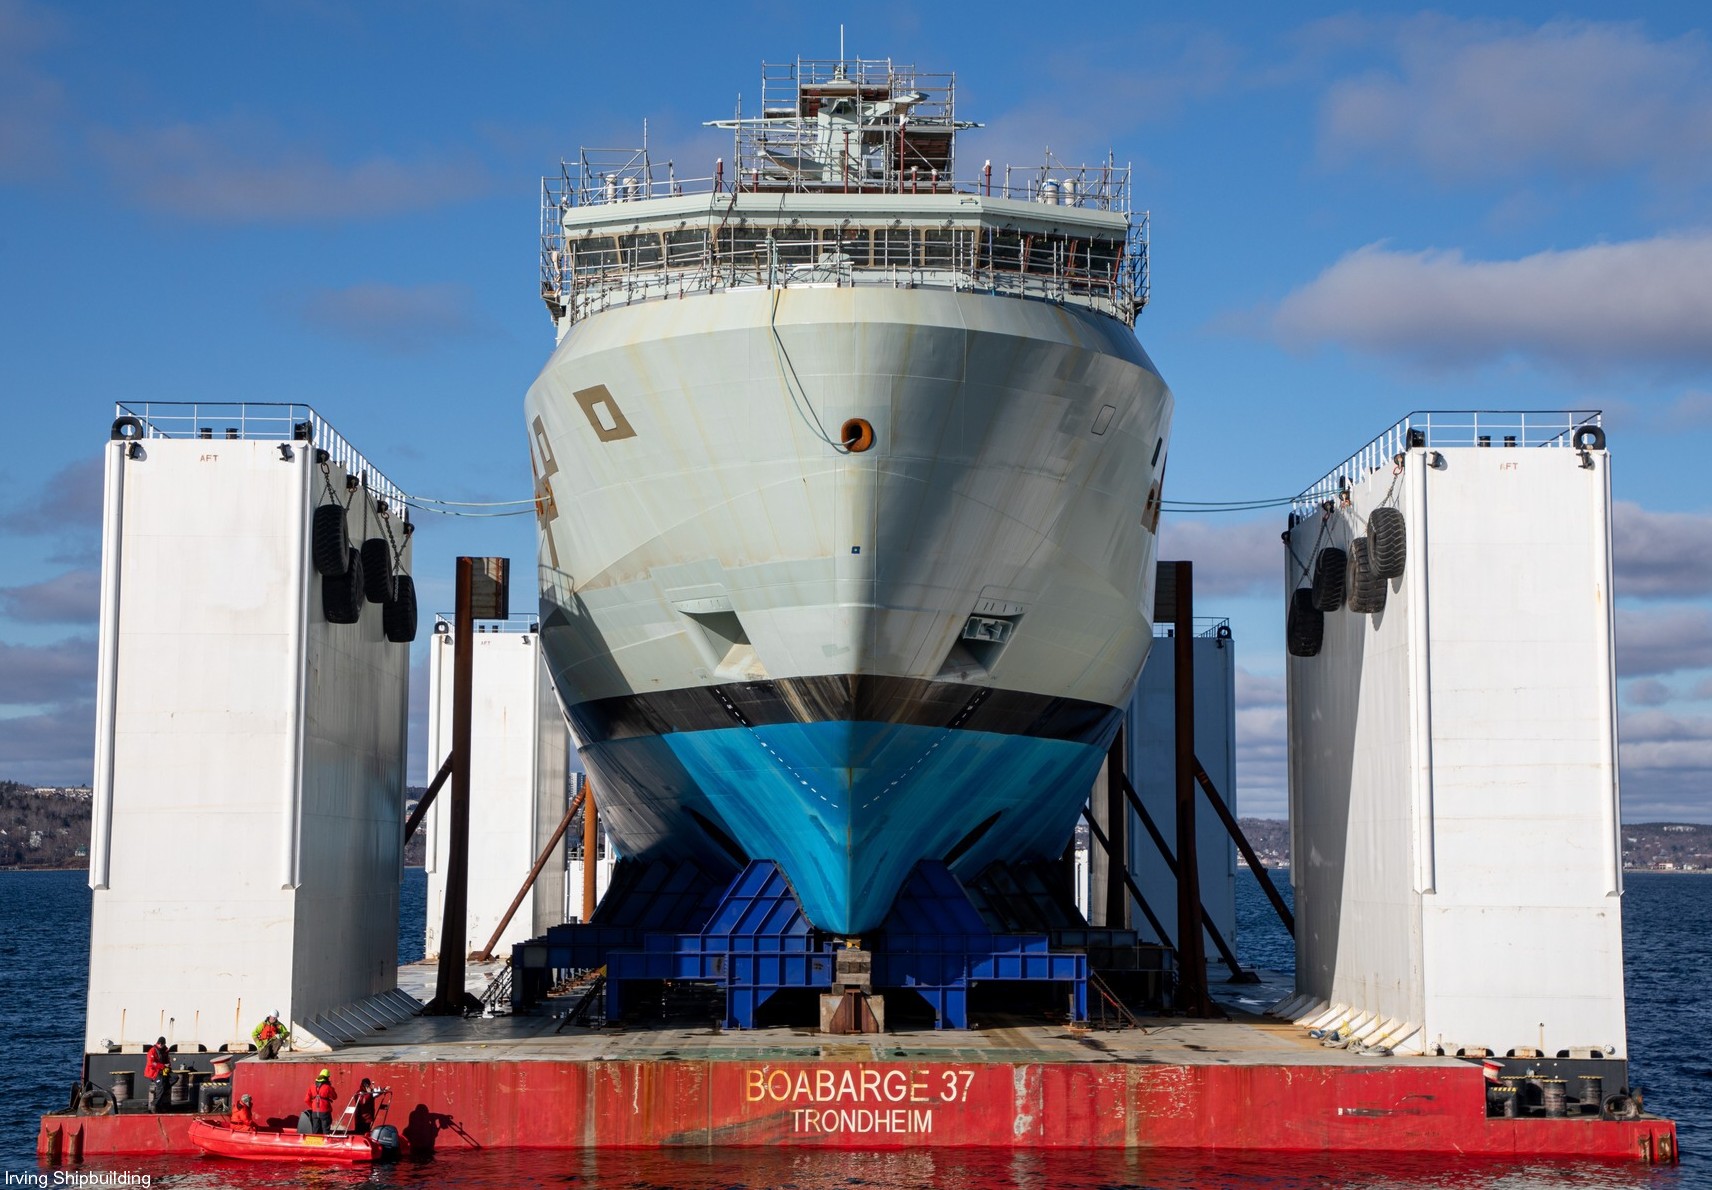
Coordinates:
(841,44)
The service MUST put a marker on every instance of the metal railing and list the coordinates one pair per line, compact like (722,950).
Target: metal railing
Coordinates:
(608,176)
(1205,626)
(443,622)
(584,274)
(267,421)
(1446,429)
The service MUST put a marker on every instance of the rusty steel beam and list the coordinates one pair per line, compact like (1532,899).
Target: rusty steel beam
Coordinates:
(1254,864)
(590,843)
(486,952)
(421,810)
(1238,975)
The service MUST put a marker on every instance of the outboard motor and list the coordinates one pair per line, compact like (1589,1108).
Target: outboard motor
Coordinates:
(386,1136)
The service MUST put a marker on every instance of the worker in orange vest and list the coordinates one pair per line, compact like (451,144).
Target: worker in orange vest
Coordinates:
(243,1117)
(318,1101)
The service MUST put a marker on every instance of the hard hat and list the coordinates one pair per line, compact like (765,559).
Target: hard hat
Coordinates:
(321,1076)
(245,1100)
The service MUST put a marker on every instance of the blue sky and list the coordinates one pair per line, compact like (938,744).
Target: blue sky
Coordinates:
(1355,214)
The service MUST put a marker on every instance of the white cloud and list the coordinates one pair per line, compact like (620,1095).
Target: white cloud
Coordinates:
(1663,641)
(1478,100)
(51,747)
(1231,557)
(70,598)
(41,675)
(68,504)
(1647,692)
(1660,554)
(1666,765)
(1262,780)
(1641,302)
(238,171)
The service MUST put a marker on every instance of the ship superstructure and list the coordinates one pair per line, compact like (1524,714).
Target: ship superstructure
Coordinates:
(847,472)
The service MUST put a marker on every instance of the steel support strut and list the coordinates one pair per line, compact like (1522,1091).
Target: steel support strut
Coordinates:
(1128,880)
(1254,864)
(421,810)
(1238,975)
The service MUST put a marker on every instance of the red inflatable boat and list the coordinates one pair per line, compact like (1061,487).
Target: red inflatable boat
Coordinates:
(266,1144)
(342,1146)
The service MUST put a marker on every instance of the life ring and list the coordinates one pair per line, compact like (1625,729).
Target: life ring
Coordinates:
(127,428)
(1588,438)
(857,435)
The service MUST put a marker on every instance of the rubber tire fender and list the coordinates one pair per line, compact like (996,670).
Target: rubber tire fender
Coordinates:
(377,570)
(1387,542)
(342,594)
(398,614)
(1366,589)
(1584,438)
(330,542)
(1305,625)
(1331,567)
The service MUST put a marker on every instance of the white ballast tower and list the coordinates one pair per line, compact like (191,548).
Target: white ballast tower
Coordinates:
(250,730)
(519,745)
(1453,775)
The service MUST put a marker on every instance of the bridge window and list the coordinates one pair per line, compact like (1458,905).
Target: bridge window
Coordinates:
(686,249)
(594,253)
(642,249)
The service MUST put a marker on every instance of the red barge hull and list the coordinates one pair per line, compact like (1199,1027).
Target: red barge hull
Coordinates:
(1403,1107)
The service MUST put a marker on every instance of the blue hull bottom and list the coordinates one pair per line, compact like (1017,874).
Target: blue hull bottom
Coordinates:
(846,808)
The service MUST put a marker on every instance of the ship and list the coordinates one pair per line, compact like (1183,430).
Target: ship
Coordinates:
(847,472)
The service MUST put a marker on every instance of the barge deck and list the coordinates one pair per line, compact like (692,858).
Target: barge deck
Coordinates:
(1247,1083)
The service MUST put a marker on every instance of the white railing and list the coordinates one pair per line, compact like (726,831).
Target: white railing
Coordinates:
(608,176)
(521,625)
(1445,429)
(1205,626)
(588,273)
(267,421)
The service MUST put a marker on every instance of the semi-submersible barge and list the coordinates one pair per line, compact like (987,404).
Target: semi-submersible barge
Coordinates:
(848,472)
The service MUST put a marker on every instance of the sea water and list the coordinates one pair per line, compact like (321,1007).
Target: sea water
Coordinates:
(1667,932)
